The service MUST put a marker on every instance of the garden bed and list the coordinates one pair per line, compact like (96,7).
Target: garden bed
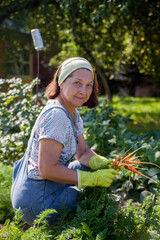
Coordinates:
(98,216)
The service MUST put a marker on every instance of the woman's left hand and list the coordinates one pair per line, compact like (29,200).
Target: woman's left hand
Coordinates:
(97,162)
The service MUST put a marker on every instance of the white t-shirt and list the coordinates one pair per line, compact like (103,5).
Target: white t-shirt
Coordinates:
(55,124)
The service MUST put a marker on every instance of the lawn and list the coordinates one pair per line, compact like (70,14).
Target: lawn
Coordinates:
(144,111)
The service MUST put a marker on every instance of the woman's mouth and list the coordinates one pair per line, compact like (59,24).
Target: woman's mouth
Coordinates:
(81,99)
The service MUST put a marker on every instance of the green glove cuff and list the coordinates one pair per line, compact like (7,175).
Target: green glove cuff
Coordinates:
(79,179)
(98,161)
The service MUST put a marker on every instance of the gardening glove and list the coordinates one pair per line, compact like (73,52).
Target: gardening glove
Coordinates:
(101,178)
(98,161)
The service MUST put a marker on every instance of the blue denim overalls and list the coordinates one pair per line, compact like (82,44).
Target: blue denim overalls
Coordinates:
(34,196)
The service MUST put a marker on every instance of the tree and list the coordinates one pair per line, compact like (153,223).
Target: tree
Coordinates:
(142,20)
(111,34)
(89,28)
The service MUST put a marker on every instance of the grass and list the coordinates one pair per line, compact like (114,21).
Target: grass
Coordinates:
(144,111)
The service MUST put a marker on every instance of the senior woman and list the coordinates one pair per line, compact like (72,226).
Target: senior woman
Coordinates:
(47,176)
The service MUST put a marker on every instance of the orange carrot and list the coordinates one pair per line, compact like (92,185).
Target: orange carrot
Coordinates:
(128,162)
(131,159)
(117,159)
(131,168)
(132,162)
(129,155)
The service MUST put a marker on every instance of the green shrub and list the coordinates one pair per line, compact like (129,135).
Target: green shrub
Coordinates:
(107,134)
(6,210)
(17,116)
(104,130)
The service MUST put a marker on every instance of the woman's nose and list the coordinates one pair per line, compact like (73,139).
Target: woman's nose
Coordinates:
(83,90)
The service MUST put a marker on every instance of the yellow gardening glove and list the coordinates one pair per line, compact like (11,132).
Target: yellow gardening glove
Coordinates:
(98,161)
(101,178)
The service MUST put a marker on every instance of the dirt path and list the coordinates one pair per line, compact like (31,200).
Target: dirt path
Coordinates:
(1,226)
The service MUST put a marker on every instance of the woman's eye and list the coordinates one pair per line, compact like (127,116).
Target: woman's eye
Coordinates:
(90,85)
(77,83)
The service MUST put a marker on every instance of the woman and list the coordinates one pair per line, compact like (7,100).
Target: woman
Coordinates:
(46,177)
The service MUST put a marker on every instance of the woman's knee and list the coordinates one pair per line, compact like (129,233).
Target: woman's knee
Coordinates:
(65,202)
(68,197)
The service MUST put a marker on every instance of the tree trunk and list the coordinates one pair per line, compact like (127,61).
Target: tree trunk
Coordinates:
(104,81)
(108,94)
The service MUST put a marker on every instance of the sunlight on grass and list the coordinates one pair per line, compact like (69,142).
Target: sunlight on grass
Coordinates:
(144,111)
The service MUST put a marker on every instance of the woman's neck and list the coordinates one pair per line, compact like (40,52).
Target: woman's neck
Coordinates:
(66,106)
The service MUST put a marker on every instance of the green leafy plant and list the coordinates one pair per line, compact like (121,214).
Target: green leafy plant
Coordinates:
(6,210)
(18,230)
(107,133)
(18,112)
(100,215)
(104,129)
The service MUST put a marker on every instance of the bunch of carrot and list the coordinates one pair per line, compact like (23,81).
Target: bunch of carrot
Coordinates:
(129,163)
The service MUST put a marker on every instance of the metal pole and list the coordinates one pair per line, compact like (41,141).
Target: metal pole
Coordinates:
(38,43)
(37,79)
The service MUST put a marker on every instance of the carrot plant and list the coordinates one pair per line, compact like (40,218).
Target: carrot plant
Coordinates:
(100,215)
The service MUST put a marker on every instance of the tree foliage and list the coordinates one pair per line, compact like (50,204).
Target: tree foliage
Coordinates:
(111,34)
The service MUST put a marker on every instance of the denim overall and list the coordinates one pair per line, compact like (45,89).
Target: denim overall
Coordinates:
(33,195)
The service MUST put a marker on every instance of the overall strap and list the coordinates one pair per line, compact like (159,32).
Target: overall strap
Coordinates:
(45,109)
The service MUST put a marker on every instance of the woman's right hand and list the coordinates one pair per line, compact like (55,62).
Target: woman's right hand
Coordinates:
(102,178)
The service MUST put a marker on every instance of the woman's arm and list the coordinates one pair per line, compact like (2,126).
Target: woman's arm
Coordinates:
(84,153)
(49,153)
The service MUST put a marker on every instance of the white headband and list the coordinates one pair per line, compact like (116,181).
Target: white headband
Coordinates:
(72,64)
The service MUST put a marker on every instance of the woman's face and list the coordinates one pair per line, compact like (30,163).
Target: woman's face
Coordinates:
(77,88)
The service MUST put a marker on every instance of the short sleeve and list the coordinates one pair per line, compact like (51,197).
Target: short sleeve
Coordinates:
(53,124)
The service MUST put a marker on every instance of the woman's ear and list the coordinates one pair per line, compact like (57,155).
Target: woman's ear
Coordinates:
(61,86)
